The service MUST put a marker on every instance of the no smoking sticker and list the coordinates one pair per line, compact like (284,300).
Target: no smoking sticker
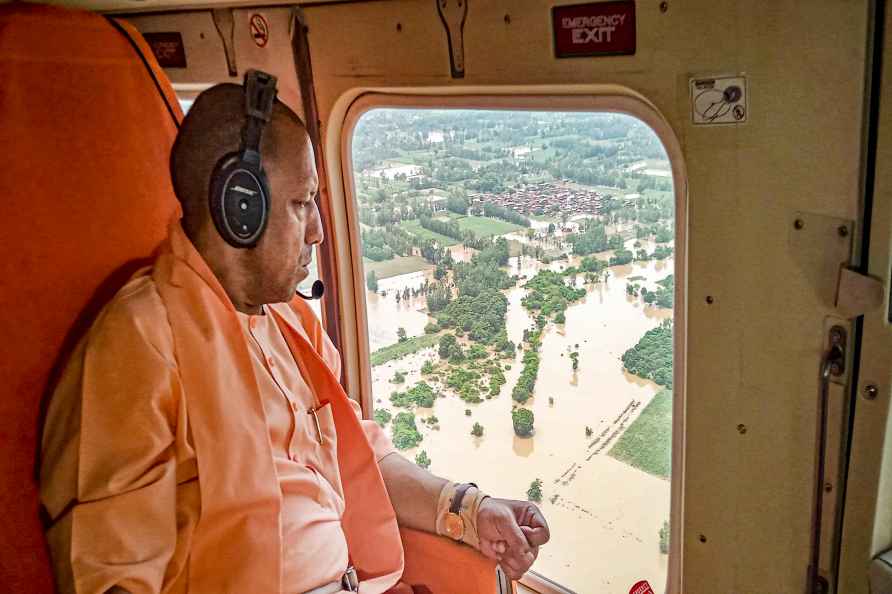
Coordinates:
(719,100)
(259,30)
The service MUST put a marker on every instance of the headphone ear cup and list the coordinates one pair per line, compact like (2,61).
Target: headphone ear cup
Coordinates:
(239,201)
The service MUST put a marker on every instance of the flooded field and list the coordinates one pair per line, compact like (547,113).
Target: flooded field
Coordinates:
(604,515)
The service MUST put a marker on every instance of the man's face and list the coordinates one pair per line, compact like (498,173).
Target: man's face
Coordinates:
(280,260)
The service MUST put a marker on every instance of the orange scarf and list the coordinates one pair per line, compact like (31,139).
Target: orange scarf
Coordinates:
(237,545)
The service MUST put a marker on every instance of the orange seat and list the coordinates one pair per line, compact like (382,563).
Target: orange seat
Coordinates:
(86,200)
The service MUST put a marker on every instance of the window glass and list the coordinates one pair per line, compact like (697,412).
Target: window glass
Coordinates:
(519,289)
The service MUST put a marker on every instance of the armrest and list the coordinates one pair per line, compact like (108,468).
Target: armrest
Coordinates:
(444,566)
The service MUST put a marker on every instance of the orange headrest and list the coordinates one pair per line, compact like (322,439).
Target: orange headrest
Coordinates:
(86,198)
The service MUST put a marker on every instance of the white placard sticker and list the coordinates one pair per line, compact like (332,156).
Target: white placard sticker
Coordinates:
(718,100)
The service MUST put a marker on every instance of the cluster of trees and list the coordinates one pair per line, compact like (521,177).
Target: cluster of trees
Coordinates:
(421,394)
(466,383)
(371,281)
(438,298)
(523,420)
(592,239)
(477,430)
(481,316)
(526,383)
(548,294)
(621,257)
(504,213)
(484,270)
(457,204)
(664,296)
(447,228)
(651,358)
(405,432)
(382,416)
(384,244)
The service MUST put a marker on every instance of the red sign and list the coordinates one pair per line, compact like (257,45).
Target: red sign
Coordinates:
(641,587)
(259,30)
(168,49)
(598,29)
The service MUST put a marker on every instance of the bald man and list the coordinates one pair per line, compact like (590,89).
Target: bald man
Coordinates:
(199,440)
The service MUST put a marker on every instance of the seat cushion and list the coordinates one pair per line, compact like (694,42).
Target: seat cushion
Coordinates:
(86,198)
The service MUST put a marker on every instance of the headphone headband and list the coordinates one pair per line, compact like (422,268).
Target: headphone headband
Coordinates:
(260,95)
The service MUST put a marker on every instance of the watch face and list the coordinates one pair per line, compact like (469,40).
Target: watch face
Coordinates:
(455,527)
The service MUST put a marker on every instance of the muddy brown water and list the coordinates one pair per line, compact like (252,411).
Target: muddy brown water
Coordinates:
(604,515)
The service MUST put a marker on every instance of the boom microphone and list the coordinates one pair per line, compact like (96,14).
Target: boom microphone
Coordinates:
(316,291)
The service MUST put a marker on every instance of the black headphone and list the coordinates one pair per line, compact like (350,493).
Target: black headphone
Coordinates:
(239,191)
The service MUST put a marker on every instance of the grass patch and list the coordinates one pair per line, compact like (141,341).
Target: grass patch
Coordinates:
(647,443)
(396,266)
(401,349)
(415,228)
(486,227)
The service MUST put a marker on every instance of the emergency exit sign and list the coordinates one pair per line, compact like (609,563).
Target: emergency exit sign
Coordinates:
(595,29)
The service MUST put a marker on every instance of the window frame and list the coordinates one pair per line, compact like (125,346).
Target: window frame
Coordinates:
(594,98)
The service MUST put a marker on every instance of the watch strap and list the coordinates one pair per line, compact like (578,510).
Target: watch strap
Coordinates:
(460,490)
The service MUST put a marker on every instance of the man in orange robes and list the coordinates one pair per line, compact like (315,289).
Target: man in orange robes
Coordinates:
(199,440)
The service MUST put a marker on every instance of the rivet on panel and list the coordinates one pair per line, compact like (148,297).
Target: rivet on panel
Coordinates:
(664,6)
(828,487)
(798,224)
(702,538)
(710,299)
(507,19)
(843,231)
(870,392)
(399,27)
(201,35)
(741,428)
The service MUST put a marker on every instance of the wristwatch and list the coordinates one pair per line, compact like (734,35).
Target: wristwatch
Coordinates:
(455,526)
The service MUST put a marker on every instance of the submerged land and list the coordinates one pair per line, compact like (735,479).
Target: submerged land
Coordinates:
(519,270)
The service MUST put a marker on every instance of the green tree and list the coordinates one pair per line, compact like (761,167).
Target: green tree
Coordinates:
(398,377)
(427,368)
(423,460)
(401,334)
(405,432)
(523,420)
(477,430)
(371,281)
(534,493)
(560,318)
(382,416)
(447,345)
(574,357)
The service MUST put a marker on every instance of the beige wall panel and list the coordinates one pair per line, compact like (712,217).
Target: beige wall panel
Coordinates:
(205,56)
(753,354)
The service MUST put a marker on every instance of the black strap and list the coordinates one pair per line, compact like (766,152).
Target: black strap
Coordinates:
(459,495)
(114,23)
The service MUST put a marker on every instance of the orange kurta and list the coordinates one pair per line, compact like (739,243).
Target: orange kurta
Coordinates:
(313,541)
(160,468)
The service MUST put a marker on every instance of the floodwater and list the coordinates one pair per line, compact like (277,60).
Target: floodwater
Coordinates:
(604,515)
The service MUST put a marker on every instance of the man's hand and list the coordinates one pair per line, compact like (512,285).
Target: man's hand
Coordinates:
(511,532)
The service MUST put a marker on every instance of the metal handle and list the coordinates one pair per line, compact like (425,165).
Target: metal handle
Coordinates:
(833,364)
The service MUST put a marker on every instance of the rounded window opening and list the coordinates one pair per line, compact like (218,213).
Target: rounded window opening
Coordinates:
(519,270)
